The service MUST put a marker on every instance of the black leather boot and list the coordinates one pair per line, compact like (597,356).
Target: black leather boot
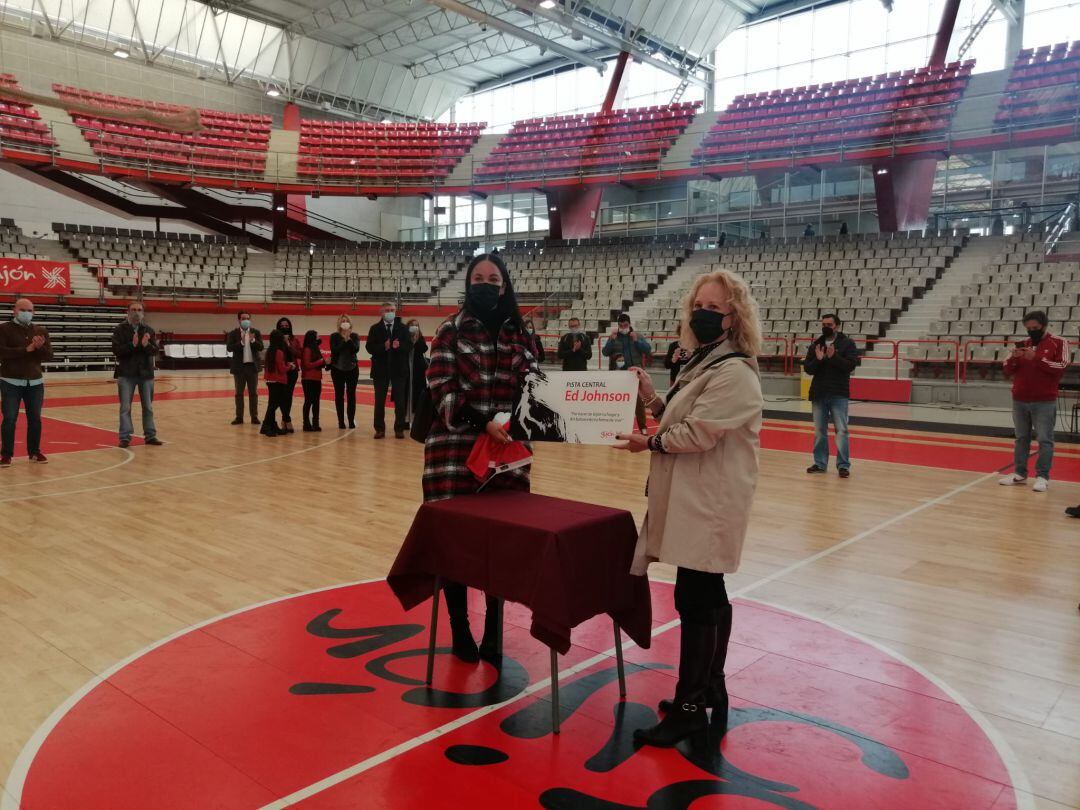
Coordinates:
(457,601)
(491,645)
(687,716)
(716,696)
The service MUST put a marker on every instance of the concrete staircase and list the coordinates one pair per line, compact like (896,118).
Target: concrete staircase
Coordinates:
(282,160)
(68,137)
(452,293)
(680,153)
(914,322)
(462,175)
(695,264)
(975,114)
(260,276)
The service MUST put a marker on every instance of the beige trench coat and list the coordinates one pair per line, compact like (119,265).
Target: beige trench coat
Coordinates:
(700,490)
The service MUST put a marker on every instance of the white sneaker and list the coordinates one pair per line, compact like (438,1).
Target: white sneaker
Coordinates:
(1012,480)
(1041,485)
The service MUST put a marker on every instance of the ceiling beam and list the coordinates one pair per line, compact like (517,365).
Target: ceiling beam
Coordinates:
(584,27)
(544,69)
(517,32)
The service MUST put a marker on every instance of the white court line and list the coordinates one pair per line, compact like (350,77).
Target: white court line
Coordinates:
(129,456)
(1020,784)
(17,777)
(177,476)
(408,745)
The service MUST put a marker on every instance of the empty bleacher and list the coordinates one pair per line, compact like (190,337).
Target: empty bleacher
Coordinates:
(383,153)
(366,271)
(868,280)
(985,318)
(81,336)
(899,106)
(597,278)
(1043,89)
(230,143)
(20,124)
(162,263)
(621,140)
(14,244)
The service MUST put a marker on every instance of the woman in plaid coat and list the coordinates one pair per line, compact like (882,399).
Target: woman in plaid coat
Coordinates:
(478,362)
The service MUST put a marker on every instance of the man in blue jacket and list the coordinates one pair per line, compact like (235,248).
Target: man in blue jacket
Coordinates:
(830,360)
(624,342)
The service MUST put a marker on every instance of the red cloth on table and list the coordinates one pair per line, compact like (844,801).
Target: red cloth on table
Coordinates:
(490,457)
(566,561)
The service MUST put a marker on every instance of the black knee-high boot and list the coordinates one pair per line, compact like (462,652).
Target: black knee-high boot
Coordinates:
(457,602)
(491,645)
(716,695)
(687,716)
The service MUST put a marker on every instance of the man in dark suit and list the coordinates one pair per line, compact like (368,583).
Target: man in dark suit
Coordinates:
(575,348)
(245,344)
(389,344)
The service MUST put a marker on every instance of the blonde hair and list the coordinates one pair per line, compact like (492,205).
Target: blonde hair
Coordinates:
(744,324)
(341,319)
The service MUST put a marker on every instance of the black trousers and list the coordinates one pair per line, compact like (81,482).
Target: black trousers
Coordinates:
(700,597)
(247,377)
(290,388)
(312,395)
(345,382)
(398,387)
(278,394)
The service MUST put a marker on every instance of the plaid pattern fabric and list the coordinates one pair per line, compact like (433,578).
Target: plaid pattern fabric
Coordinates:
(468,367)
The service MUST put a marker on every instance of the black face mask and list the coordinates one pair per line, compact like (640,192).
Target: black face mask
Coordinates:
(1036,335)
(285,330)
(482,299)
(707,326)
(827,331)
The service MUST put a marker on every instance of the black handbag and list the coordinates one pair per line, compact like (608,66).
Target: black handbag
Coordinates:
(422,418)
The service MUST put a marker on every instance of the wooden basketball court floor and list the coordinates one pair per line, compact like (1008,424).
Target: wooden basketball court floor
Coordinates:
(917,606)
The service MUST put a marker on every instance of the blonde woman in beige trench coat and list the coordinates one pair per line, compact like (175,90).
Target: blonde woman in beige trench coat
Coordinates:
(701,483)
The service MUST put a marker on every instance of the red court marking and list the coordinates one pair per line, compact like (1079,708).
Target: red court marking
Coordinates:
(58,436)
(820,719)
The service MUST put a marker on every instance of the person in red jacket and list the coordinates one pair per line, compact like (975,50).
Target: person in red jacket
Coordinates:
(311,370)
(294,348)
(277,368)
(1036,366)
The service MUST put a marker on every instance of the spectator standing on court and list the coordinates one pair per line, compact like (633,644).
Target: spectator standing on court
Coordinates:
(311,372)
(575,348)
(245,344)
(417,367)
(390,346)
(830,360)
(294,348)
(23,348)
(536,346)
(134,344)
(676,356)
(1035,366)
(344,369)
(635,350)
(278,366)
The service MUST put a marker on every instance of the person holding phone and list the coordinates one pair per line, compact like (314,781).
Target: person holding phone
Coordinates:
(575,348)
(830,360)
(1035,366)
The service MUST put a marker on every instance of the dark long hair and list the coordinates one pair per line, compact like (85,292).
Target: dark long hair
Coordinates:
(276,344)
(508,305)
(287,336)
(311,341)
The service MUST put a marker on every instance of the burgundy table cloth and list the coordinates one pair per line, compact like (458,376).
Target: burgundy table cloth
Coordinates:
(566,561)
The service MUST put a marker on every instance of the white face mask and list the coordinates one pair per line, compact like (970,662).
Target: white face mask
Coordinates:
(624,330)
(346,325)
(620,364)
(388,317)
(414,330)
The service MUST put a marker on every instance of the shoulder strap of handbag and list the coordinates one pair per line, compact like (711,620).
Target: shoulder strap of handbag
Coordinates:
(671,393)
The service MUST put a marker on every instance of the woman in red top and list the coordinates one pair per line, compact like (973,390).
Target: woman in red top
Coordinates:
(311,368)
(278,366)
(294,349)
